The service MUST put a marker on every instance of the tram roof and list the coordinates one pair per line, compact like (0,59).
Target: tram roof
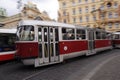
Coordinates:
(45,23)
(8,30)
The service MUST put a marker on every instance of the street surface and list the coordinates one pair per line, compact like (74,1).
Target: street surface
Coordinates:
(102,66)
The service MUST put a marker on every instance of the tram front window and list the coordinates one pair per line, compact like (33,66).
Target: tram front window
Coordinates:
(7,42)
(26,33)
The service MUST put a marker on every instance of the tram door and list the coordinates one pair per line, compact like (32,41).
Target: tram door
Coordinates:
(91,42)
(48,44)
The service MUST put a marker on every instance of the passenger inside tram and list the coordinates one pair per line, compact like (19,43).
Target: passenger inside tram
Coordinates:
(79,36)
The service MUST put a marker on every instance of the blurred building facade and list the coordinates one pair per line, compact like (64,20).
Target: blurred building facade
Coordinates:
(29,12)
(91,13)
(2,15)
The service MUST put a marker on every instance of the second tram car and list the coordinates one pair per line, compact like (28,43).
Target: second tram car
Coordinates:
(7,44)
(42,42)
(116,39)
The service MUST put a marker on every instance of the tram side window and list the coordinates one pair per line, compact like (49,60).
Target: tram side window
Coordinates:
(68,34)
(81,34)
(109,36)
(39,35)
(56,35)
(45,34)
(116,36)
(103,35)
(98,35)
(51,35)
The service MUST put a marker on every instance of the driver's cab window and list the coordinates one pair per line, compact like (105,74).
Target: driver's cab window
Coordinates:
(26,33)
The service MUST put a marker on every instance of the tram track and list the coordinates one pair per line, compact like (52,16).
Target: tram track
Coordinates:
(84,73)
(97,68)
(33,75)
(74,69)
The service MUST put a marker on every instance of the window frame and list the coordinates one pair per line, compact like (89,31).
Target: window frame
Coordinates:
(68,33)
(81,35)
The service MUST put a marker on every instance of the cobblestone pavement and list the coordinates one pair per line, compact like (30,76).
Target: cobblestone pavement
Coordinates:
(102,66)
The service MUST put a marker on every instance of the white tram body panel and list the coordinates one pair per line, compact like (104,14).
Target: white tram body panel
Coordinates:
(8,31)
(45,42)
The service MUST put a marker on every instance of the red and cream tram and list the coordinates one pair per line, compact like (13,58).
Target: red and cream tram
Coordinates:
(42,42)
(7,44)
(116,39)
